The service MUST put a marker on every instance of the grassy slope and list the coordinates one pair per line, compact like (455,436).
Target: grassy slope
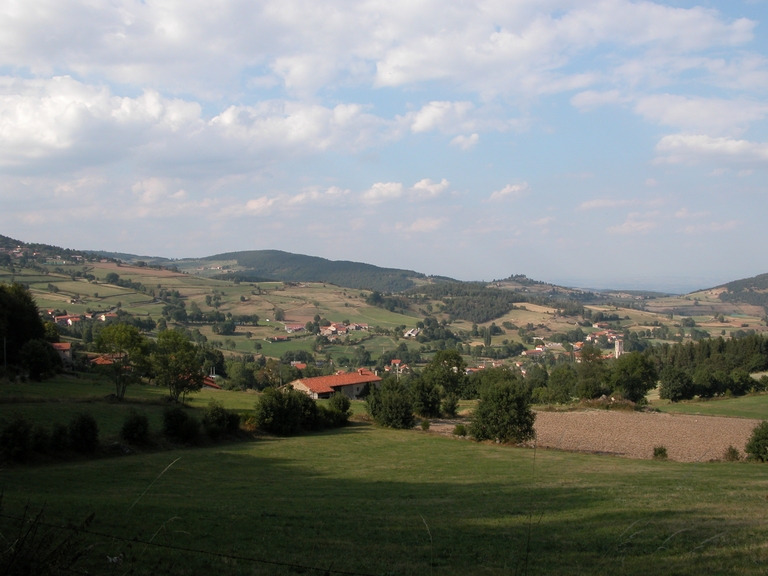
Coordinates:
(358,499)
(745,407)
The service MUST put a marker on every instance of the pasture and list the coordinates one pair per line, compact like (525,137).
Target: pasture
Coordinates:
(751,406)
(375,501)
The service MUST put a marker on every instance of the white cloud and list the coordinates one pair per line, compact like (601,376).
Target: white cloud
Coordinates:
(443,116)
(426,224)
(651,182)
(203,48)
(693,148)
(509,191)
(701,115)
(465,142)
(684,213)
(426,189)
(711,227)
(636,223)
(605,203)
(543,221)
(591,99)
(382,191)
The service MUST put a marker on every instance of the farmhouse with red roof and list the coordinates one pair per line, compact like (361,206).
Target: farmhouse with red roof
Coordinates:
(349,383)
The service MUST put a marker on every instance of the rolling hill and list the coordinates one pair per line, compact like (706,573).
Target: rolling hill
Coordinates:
(258,265)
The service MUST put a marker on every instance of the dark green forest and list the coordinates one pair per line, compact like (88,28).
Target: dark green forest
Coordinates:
(261,265)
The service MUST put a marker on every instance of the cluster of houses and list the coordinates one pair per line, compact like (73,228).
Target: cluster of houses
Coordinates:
(55,260)
(334,329)
(72,319)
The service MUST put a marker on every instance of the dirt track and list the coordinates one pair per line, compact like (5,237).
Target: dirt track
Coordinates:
(634,434)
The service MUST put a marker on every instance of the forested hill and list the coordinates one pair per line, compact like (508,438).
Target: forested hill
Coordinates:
(747,291)
(8,244)
(288,267)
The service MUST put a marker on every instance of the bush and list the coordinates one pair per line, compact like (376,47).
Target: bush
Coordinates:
(135,428)
(659,453)
(218,421)
(731,454)
(180,426)
(757,447)
(504,413)
(340,403)
(460,430)
(59,438)
(286,412)
(425,425)
(16,438)
(450,405)
(390,405)
(83,433)
(41,440)
(426,399)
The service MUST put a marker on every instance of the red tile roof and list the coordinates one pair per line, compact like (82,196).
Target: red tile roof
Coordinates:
(63,346)
(211,383)
(327,384)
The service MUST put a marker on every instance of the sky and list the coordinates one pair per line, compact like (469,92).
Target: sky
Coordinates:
(593,143)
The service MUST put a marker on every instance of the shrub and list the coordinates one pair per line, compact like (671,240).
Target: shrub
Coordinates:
(340,403)
(135,428)
(330,418)
(218,421)
(83,433)
(390,405)
(59,438)
(659,453)
(460,430)
(41,440)
(425,425)
(450,405)
(757,447)
(180,426)
(731,454)
(426,398)
(504,413)
(16,438)
(286,412)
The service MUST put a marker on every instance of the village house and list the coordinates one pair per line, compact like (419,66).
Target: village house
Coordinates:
(291,328)
(351,384)
(64,350)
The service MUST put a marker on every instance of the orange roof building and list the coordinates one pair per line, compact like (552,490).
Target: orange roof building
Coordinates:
(349,383)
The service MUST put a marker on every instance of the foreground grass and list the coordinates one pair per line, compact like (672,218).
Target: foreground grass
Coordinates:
(753,406)
(376,501)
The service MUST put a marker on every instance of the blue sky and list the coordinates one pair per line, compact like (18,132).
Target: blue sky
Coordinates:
(605,143)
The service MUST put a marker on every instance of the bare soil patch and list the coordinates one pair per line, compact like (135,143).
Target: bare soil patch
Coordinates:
(687,438)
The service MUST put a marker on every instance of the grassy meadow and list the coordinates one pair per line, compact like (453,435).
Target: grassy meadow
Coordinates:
(751,406)
(374,501)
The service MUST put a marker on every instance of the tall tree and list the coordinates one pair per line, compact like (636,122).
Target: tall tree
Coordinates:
(446,369)
(177,365)
(126,348)
(19,321)
(633,375)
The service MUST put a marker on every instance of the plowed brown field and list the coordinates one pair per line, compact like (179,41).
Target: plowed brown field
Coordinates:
(635,434)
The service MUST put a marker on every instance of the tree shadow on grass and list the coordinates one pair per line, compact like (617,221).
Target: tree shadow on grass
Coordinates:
(324,501)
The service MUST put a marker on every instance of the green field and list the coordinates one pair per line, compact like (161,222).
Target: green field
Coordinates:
(753,406)
(376,501)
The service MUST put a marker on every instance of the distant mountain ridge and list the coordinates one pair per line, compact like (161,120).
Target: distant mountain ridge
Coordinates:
(258,265)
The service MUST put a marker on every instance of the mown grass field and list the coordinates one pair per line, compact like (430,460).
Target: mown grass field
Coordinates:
(376,501)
